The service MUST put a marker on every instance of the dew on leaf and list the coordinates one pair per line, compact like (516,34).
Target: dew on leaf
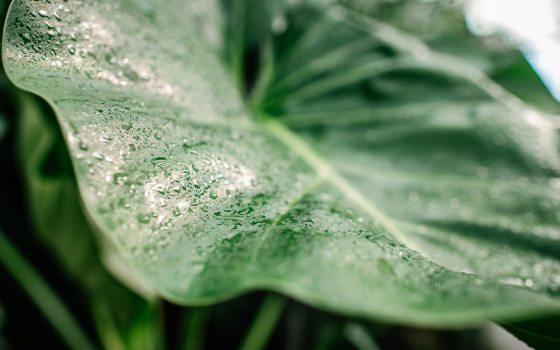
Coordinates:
(144,218)
(126,126)
(279,24)
(119,178)
(26,37)
(163,129)
(158,161)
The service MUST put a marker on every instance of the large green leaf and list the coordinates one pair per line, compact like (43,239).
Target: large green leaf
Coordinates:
(372,176)
(60,223)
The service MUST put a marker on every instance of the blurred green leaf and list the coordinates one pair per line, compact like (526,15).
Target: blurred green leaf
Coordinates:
(373,176)
(61,225)
(541,334)
(45,298)
(441,24)
(264,323)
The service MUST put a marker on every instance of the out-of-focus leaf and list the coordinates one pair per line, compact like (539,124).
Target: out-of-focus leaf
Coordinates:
(43,296)
(376,177)
(541,334)
(519,78)
(441,24)
(60,223)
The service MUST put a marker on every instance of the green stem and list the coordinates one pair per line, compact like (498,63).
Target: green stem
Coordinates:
(106,328)
(45,298)
(266,73)
(264,323)
(238,41)
(196,321)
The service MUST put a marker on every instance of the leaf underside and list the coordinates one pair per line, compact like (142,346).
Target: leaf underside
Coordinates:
(371,175)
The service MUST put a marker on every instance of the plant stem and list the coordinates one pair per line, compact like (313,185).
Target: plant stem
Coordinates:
(43,296)
(266,73)
(264,323)
(238,44)
(196,321)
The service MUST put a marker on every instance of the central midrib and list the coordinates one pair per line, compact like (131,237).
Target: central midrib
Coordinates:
(327,172)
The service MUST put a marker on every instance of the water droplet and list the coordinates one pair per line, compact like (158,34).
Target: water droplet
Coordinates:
(110,58)
(213,195)
(119,178)
(26,37)
(44,14)
(131,74)
(144,218)
(279,24)
(385,267)
(71,49)
(126,127)
(514,281)
(157,161)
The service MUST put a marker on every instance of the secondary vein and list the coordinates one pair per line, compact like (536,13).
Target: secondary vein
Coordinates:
(307,189)
(326,171)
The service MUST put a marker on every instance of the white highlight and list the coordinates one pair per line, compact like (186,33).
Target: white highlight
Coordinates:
(534,25)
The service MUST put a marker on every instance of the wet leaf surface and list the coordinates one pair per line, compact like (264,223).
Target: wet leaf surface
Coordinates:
(366,174)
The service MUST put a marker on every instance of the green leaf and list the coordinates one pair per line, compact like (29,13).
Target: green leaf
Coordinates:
(539,334)
(43,296)
(60,223)
(442,26)
(264,323)
(373,176)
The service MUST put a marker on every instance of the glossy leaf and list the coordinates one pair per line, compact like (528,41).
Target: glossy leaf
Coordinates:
(442,26)
(60,223)
(371,175)
(43,296)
